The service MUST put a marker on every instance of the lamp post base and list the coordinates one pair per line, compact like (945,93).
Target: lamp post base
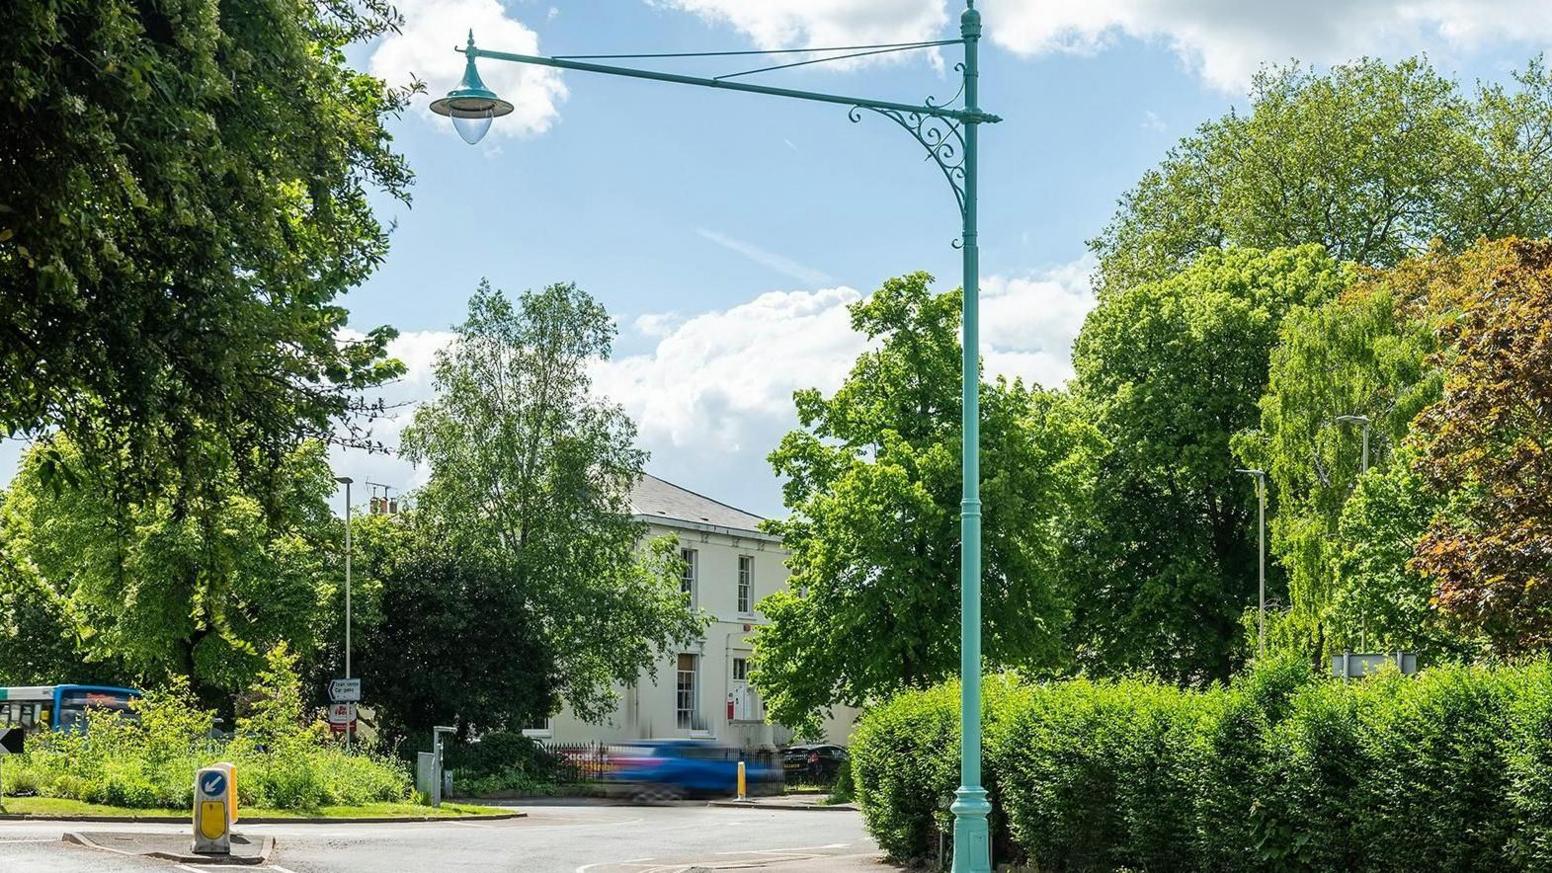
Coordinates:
(972,834)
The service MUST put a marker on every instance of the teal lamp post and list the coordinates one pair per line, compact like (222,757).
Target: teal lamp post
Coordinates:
(951,137)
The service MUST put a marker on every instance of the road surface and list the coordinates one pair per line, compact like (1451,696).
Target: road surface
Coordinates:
(560,837)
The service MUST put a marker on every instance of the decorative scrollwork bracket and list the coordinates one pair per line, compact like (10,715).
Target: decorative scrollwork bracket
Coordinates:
(941,135)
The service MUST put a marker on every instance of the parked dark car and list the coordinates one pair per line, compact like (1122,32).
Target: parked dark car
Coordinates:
(667,769)
(815,763)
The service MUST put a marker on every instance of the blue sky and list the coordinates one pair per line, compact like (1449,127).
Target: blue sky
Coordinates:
(727,232)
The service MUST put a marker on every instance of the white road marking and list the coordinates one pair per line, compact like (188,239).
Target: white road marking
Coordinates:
(798,850)
(634,862)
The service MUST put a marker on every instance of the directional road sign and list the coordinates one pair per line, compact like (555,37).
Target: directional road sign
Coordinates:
(345,691)
(11,741)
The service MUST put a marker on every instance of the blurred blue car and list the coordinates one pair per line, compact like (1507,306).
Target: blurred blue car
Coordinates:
(670,769)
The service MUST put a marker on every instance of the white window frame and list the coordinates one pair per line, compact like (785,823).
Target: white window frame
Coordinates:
(541,733)
(739,661)
(684,718)
(689,580)
(746,584)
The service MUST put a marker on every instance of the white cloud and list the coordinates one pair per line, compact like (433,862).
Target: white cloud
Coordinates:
(424,48)
(768,259)
(715,395)
(795,23)
(1227,40)
(1028,323)
(781,24)
(1152,121)
(417,349)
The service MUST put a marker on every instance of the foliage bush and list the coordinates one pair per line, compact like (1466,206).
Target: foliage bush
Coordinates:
(504,762)
(905,763)
(282,760)
(1280,770)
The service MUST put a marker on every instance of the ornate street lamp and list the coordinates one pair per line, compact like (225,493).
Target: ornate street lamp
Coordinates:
(951,138)
(471,105)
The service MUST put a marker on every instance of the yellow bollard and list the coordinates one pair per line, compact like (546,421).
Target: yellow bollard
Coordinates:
(741,781)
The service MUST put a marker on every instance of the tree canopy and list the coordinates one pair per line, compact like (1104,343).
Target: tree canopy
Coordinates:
(1374,351)
(874,492)
(199,587)
(184,191)
(531,475)
(1372,161)
(1171,372)
(447,637)
(1486,439)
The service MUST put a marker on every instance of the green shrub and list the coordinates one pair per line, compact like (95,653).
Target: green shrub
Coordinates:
(905,764)
(282,761)
(1450,770)
(843,790)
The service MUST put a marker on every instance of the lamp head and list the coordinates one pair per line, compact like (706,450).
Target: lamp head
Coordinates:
(471,105)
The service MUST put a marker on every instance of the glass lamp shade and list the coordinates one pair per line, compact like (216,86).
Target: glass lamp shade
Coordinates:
(473,127)
(471,112)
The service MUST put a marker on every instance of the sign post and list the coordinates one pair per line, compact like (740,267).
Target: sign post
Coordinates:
(344,694)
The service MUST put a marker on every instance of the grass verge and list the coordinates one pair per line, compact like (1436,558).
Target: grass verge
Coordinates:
(44,807)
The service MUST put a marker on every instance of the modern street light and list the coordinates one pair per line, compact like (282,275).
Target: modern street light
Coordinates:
(347,482)
(951,138)
(1261,560)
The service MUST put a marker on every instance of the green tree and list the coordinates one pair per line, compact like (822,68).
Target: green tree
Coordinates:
(1484,443)
(1171,371)
(874,491)
(185,188)
(173,585)
(447,638)
(1371,160)
(1373,351)
(532,475)
(39,640)
(1378,602)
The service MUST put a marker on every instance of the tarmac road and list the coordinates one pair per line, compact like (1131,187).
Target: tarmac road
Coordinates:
(556,837)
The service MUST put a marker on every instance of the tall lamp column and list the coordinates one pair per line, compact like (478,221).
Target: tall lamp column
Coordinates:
(951,138)
(347,482)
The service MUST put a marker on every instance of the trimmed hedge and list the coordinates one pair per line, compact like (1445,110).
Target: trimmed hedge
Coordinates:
(1450,770)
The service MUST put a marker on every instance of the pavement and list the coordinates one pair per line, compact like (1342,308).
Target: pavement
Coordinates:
(560,836)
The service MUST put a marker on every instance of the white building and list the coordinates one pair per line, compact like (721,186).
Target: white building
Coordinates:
(702,691)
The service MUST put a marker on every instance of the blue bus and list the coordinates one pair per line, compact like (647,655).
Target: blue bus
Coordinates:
(60,707)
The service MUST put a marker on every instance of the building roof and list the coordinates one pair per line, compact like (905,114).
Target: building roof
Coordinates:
(656,500)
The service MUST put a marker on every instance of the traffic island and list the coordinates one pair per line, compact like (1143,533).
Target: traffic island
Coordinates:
(55,809)
(174,847)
